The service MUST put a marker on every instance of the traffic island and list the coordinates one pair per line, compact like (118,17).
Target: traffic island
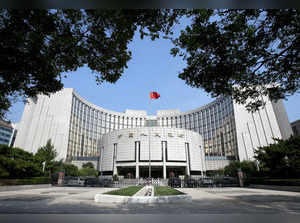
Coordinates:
(145,195)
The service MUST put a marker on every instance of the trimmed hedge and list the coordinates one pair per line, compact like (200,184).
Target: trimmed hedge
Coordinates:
(277,182)
(26,181)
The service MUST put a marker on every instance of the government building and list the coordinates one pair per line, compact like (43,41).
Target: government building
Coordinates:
(191,142)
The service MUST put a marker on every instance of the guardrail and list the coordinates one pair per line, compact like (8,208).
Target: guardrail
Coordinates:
(173,182)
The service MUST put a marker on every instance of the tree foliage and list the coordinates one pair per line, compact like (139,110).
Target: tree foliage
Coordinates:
(281,159)
(242,53)
(47,154)
(88,165)
(247,167)
(70,170)
(17,163)
(87,172)
(38,46)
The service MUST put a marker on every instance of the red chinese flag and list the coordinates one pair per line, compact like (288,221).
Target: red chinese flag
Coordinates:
(154,95)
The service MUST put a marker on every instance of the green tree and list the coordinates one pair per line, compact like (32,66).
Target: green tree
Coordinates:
(56,166)
(47,154)
(17,163)
(242,53)
(281,159)
(248,168)
(38,46)
(70,170)
(88,165)
(88,172)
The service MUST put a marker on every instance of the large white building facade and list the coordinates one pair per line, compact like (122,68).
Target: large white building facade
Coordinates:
(215,134)
(161,150)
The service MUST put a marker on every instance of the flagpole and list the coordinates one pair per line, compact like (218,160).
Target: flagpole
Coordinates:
(149,147)
(153,95)
(149,155)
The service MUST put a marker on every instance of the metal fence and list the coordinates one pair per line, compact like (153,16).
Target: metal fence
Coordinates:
(191,182)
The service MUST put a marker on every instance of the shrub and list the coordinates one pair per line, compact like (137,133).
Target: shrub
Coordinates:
(88,172)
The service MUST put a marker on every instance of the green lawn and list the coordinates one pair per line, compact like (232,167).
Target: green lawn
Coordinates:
(127,191)
(164,191)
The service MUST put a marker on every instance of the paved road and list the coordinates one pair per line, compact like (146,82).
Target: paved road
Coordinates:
(75,200)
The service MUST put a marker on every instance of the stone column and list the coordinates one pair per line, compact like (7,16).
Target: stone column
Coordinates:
(164,160)
(187,169)
(137,167)
(137,171)
(115,171)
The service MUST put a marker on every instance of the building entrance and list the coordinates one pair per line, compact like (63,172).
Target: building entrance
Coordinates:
(156,171)
(176,171)
(126,171)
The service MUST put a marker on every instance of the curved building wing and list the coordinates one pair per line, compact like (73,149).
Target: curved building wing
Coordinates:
(76,126)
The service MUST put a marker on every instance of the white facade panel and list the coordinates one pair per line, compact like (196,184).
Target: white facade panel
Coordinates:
(197,156)
(259,128)
(46,115)
(176,150)
(125,150)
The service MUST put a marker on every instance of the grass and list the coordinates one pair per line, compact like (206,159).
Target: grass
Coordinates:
(165,191)
(127,191)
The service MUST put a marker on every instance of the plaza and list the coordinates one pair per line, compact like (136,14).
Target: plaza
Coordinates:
(78,200)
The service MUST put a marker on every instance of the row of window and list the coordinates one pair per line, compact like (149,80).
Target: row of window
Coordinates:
(6,129)
(210,123)
(5,134)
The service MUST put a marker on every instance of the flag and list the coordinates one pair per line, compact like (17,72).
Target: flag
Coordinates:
(154,95)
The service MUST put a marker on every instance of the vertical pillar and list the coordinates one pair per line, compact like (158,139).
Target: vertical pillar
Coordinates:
(115,172)
(163,145)
(137,167)
(137,171)
(187,152)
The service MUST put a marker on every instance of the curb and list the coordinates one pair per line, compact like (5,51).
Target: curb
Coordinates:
(104,198)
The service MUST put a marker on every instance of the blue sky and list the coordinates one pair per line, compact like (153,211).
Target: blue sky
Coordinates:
(151,68)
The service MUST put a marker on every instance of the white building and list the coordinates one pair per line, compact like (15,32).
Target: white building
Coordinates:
(78,128)
(168,150)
